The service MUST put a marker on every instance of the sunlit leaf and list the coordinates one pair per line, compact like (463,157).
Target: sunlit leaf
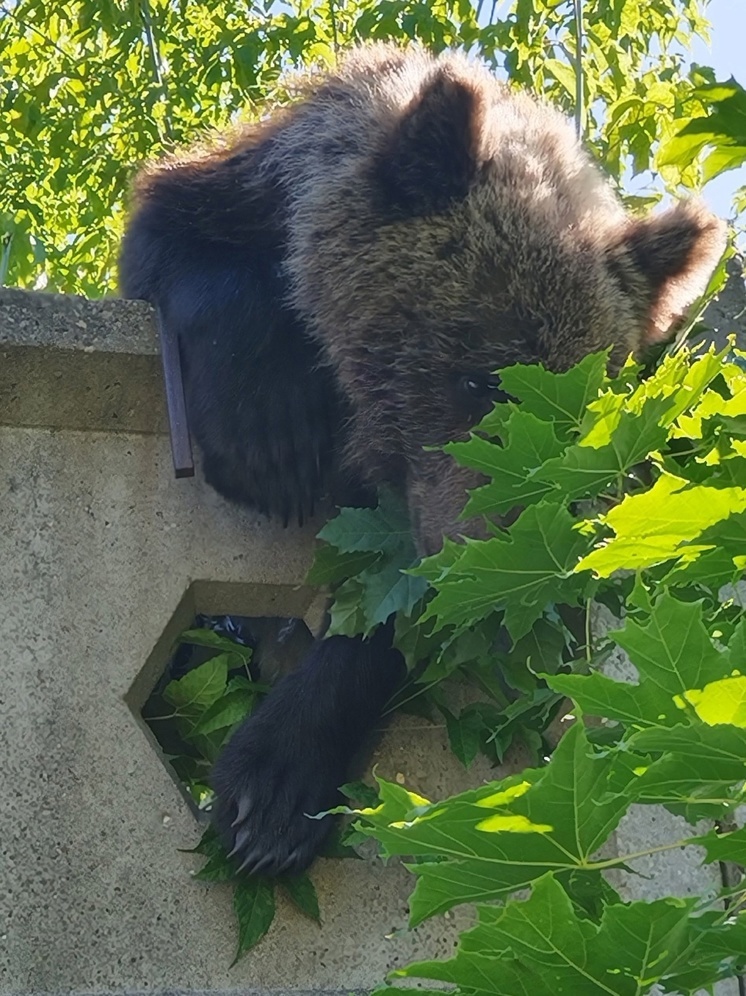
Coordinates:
(499,838)
(661,523)
(673,653)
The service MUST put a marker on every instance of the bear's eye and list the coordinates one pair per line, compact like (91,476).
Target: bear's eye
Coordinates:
(481,387)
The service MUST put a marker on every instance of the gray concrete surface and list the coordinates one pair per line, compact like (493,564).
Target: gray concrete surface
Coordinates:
(104,557)
(68,363)
(727,315)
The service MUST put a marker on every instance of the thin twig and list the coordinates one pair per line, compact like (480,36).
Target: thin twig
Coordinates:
(579,111)
(7,243)
(156,60)
(333,19)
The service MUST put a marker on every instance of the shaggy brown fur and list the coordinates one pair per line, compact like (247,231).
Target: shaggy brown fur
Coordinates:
(431,224)
(345,277)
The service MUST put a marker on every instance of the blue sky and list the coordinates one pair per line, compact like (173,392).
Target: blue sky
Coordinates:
(726,51)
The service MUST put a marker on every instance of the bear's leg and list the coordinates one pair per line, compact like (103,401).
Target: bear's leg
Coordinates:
(287,761)
(264,409)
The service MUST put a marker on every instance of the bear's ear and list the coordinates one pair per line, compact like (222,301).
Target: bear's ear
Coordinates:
(667,260)
(432,156)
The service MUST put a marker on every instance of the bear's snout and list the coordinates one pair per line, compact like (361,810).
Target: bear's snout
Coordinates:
(437,492)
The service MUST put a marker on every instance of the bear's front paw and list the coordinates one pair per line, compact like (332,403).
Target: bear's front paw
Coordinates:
(267,787)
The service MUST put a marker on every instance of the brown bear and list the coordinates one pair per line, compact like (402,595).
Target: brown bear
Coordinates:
(344,279)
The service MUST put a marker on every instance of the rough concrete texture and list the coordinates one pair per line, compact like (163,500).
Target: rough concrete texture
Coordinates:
(727,315)
(104,558)
(68,363)
(64,321)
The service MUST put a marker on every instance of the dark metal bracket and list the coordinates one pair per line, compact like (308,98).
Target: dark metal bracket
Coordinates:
(181,445)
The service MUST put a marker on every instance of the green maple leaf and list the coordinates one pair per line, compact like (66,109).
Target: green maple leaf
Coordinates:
(698,771)
(681,379)
(557,398)
(598,695)
(417,640)
(369,550)
(541,649)
(465,733)
(708,751)
(673,649)
(521,574)
(346,615)
(724,846)
(330,565)
(386,589)
(673,653)
(724,562)
(713,407)
(620,431)
(662,523)
(491,841)
(384,529)
(540,947)
(716,950)
(527,443)
(712,570)
(585,471)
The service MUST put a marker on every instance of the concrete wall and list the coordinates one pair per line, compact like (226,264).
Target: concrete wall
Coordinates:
(102,552)
(104,557)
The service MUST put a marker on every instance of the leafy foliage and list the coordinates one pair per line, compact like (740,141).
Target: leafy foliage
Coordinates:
(193,715)
(675,735)
(205,706)
(541,945)
(91,89)
(373,585)
(594,435)
(543,828)
(719,128)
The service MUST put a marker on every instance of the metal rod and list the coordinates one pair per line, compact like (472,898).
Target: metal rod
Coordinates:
(181,445)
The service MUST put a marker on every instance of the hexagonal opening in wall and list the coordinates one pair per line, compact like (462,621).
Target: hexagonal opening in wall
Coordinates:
(221,650)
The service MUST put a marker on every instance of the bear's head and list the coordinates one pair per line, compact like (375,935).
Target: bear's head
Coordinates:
(476,233)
